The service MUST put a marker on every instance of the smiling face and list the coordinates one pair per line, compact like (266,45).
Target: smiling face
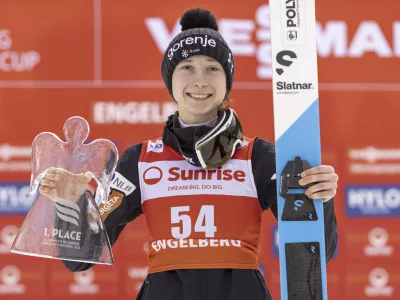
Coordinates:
(199,87)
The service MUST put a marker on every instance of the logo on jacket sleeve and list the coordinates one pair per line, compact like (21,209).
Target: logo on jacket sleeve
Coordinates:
(157,147)
(120,183)
(114,200)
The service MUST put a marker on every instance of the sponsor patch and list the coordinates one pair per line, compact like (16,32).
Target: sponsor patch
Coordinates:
(114,200)
(120,183)
(157,147)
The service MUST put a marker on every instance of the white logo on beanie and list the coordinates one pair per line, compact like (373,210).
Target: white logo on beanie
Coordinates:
(230,61)
(185,53)
(199,40)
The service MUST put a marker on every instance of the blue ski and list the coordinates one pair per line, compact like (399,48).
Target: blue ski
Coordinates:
(297,141)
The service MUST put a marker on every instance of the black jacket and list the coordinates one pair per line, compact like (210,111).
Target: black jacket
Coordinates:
(210,284)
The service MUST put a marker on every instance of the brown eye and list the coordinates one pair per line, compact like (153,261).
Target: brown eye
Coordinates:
(213,69)
(187,67)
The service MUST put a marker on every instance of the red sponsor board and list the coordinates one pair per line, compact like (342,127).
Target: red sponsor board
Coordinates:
(135,273)
(59,40)
(100,280)
(377,241)
(22,276)
(9,226)
(95,40)
(128,119)
(353,40)
(135,240)
(372,281)
(335,279)
(119,116)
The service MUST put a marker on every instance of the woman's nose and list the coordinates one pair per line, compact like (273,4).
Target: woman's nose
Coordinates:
(199,81)
(200,84)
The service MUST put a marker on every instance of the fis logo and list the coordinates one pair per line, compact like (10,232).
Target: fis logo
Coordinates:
(372,201)
(157,147)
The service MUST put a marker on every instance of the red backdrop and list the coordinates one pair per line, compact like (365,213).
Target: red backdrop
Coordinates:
(101,60)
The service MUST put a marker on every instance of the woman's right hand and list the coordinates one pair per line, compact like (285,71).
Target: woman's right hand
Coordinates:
(59,183)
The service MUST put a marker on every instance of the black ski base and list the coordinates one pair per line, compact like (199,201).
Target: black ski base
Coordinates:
(303,270)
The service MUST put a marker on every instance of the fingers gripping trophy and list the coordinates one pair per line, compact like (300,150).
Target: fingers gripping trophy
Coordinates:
(70,178)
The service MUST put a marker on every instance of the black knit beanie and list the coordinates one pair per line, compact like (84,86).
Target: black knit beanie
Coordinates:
(199,36)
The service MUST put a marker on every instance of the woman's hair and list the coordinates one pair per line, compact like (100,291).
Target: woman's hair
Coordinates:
(228,102)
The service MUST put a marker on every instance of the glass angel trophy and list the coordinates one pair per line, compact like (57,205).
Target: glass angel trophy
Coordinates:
(65,223)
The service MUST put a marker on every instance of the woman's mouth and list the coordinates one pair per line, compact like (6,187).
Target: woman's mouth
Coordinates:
(199,96)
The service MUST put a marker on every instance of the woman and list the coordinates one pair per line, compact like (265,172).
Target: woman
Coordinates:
(203,186)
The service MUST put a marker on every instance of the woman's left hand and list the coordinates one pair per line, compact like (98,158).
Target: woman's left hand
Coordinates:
(326,182)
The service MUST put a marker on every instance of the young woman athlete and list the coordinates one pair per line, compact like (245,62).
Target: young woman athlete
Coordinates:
(202,186)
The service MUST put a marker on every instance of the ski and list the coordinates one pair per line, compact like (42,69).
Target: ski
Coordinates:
(297,140)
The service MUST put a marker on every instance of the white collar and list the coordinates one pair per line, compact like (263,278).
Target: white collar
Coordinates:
(211,123)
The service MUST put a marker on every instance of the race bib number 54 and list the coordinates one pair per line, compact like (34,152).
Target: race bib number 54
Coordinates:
(182,223)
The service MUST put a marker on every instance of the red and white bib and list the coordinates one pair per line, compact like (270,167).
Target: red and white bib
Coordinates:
(199,219)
